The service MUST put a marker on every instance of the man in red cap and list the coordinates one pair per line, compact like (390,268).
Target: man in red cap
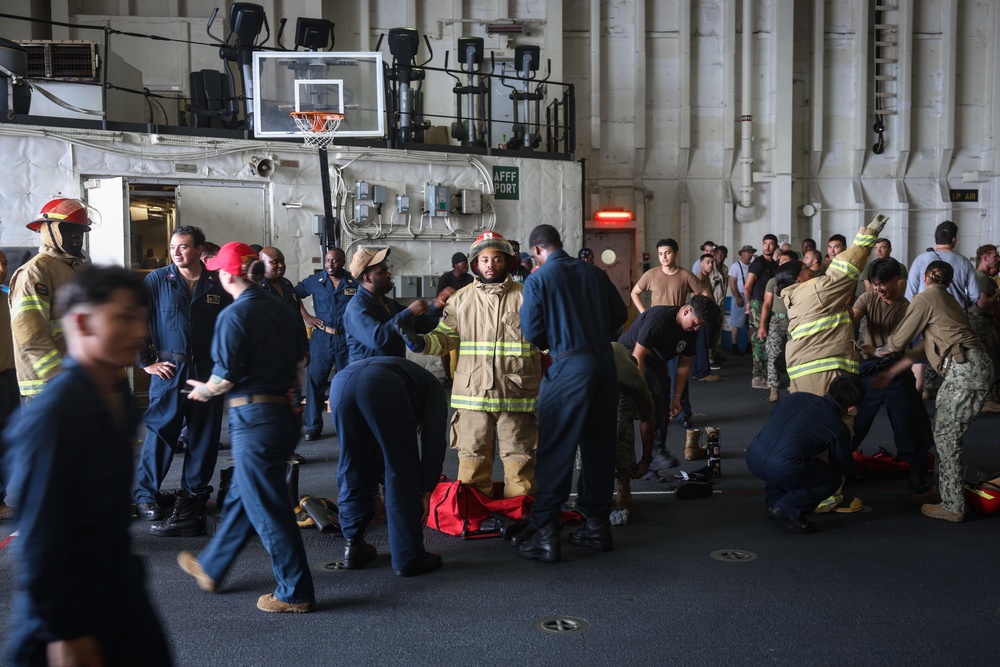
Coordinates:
(258,378)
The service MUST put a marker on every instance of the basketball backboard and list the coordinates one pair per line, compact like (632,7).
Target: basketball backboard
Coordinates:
(347,83)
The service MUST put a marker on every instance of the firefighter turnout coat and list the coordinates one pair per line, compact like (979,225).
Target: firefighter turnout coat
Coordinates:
(38,336)
(498,370)
(821,335)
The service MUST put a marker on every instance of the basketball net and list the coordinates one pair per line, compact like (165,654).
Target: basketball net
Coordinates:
(318,127)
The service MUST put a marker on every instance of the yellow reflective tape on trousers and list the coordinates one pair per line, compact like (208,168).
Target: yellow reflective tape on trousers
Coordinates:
(846,267)
(510,349)
(866,240)
(29,303)
(484,404)
(30,387)
(823,365)
(47,363)
(822,324)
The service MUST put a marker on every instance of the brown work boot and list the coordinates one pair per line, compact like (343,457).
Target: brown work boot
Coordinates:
(991,406)
(692,447)
(273,605)
(775,395)
(6,512)
(939,512)
(189,564)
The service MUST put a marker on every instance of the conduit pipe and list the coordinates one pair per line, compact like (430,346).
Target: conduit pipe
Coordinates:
(745,207)
(595,75)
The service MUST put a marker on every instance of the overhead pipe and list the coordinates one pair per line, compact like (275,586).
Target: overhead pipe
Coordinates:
(595,75)
(745,208)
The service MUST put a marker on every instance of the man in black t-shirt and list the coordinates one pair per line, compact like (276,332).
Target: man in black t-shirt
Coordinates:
(658,335)
(761,270)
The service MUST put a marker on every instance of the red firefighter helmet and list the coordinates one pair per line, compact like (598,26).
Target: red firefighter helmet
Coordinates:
(495,241)
(72,211)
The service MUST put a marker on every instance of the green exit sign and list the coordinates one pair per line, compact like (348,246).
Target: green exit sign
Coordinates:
(506,182)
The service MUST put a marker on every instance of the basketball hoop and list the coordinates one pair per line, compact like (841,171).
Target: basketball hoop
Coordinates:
(319,127)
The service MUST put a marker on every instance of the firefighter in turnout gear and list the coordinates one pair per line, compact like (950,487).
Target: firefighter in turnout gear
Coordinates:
(821,336)
(38,337)
(496,381)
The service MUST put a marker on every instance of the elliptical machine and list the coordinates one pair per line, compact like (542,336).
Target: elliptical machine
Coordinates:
(245,22)
(473,128)
(526,134)
(405,101)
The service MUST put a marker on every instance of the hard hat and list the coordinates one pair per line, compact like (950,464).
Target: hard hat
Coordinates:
(491,240)
(72,211)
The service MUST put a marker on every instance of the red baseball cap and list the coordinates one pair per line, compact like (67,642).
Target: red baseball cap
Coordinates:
(233,258)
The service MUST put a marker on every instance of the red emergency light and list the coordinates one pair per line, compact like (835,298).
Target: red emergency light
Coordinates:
(612,218)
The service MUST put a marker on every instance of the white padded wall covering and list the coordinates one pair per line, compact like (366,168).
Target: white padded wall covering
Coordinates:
(43,167)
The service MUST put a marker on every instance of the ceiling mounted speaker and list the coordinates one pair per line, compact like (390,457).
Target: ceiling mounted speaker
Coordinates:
(262,166)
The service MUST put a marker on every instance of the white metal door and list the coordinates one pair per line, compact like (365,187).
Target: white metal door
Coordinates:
(108,243)
(225,212)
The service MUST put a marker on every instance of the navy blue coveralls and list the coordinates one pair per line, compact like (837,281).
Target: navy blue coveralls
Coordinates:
(264,434)
(288,295)
(180,326)
(380,402)
(911,427)
(369,326)
(784,453)
(572,309)
(76,573)
(326,350)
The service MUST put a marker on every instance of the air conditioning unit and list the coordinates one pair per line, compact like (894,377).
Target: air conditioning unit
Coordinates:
(62,60)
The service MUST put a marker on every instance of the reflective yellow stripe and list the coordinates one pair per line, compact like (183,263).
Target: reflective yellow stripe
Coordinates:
(57,327)
(30,387)
(433,346)
(505,348)
(822,365)
(484,404)
(445,329)
(846,267)
(29,303)
(866,240)
(47,363)
(822,324)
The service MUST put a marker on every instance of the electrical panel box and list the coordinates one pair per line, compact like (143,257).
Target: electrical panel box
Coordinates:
(408,287)
(437,199)
(379,194)
(362,214)
(402,204)
(361,189)
(472,202)
(430,286)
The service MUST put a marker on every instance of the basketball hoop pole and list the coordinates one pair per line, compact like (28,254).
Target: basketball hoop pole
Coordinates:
(320,128)
(331,226)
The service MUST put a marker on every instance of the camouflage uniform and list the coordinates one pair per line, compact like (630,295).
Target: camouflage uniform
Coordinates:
(625,452)
(952,348)
(777,336)
(962,394)
(982,321)
(757,344)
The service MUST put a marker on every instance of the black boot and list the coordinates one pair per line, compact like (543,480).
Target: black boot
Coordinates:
(292,480)
(918,478)
(596,534)
(542,544)
(358,553)
(185,520)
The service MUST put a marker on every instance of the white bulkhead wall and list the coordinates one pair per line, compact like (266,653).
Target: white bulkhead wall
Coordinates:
(661,132)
